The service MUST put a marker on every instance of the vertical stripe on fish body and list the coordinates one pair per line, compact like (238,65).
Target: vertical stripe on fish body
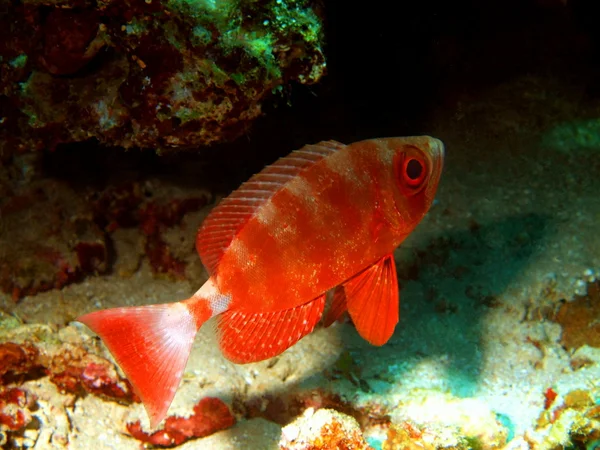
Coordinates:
(326,217)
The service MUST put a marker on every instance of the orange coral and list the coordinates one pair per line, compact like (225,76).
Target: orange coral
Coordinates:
(323,430)
(580,319)
(405,437)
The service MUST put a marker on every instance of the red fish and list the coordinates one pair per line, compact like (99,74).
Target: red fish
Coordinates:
(326,217)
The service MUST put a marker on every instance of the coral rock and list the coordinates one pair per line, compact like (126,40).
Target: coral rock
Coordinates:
(149,74)
(65,244)
(62,233)
(17,359)
(14,408)
(575,422)
(73,369)
(322,430)
(210,415)
(405,437)
(580,319)
(70,367)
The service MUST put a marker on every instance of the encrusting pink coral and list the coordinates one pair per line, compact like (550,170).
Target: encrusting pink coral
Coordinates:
(14,408)
(210,415)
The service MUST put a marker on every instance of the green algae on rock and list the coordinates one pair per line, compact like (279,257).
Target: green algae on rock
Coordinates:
(165,75)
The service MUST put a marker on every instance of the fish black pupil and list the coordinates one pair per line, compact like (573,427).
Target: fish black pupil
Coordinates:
(414,169)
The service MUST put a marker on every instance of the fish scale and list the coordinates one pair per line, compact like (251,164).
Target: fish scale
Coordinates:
(310,235)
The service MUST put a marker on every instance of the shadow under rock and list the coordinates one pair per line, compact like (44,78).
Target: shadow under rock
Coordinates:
(445,291)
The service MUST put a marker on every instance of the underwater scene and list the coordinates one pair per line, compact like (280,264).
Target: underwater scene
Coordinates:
(300,224)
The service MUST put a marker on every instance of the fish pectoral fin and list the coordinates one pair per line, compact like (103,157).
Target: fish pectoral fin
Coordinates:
(152,345)
(250,337)
(373,300)
(337,308)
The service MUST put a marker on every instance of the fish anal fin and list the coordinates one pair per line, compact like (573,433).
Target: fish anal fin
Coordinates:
(225,220)
(337,308)
(373,300)
(152,345)
(246,337)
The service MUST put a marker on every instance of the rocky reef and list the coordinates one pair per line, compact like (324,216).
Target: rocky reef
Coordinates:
(152,74)
(77,228)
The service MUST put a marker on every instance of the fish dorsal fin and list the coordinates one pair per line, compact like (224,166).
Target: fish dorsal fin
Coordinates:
(224,222)
(246,337)
(372,300)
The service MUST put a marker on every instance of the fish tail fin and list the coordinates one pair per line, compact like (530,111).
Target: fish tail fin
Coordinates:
(152,345)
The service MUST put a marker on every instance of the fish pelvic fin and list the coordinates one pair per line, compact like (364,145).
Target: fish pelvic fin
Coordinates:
(372,299)
(152,345)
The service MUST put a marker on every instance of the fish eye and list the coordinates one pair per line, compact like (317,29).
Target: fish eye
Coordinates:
(413,171)
(413,168)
